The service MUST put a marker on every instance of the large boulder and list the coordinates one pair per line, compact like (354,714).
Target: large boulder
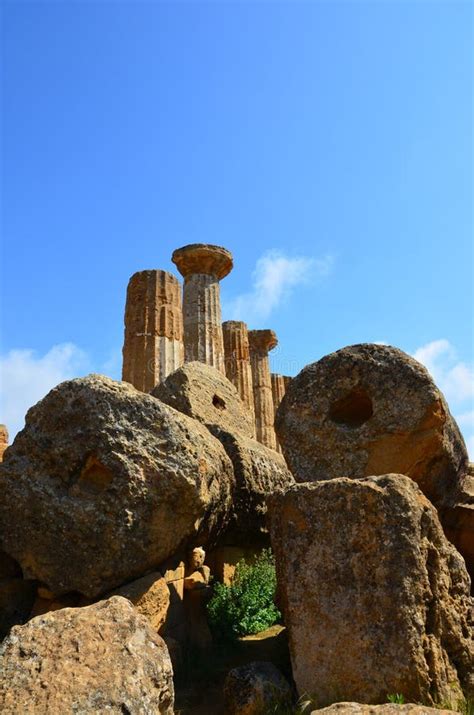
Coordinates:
(458,520)
(259,472)
(151,597)
(102,658)
(375,598)
(256,688)
(104,483)
(387,709)
(367,410)
(202,392)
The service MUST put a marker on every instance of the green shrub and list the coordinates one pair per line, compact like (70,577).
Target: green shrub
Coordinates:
(396,699)
(247,606)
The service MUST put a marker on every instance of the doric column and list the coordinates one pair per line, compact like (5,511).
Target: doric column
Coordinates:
(203,266)
(287,379)
(3,440)
(237,360)
(261,342)
(278,390)
(153,344)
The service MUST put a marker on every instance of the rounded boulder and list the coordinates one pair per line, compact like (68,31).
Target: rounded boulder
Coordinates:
(366,410)
(104,483)
(102,658)
(200,391)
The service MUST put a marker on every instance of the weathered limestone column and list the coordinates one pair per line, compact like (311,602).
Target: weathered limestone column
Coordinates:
(237,360)
(278,390)
(203,266)
(153,345)
(261,342)
(3,440)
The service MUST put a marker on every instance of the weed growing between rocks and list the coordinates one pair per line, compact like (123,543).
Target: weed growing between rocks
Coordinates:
(396,698)
(247,606)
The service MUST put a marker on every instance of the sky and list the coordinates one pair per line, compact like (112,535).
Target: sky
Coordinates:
(328,145)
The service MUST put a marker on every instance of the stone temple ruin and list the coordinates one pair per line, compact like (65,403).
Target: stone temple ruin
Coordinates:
(163,330)
(122,502)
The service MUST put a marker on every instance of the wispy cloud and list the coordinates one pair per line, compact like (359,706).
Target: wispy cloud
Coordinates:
(26,377)
(455,379)
(275,276)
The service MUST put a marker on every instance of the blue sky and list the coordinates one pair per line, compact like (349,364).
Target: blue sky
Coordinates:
(328,145)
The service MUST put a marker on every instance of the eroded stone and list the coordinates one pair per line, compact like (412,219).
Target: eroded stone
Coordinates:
(105,483)
(261,342)
(102,658)
(203,266)
(375,598)
(153,344)
(371,409)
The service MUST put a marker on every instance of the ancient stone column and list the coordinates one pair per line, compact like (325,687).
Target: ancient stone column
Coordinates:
(261,342)
(237,360)
(153,344)
(278,390)
(203,266)
(3,440)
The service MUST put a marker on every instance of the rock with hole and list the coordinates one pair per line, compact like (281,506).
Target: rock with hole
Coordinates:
(202,392)
(104,483)
(366,410)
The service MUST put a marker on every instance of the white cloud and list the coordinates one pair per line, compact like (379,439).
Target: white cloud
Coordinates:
(274,277)
(455,379)
(27,377)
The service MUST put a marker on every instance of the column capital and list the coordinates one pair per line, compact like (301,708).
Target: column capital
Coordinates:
(262,340)
(234,325)
(203,258)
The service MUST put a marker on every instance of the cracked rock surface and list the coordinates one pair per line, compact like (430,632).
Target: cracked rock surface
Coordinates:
(104,483)
(375,598)
(101,658)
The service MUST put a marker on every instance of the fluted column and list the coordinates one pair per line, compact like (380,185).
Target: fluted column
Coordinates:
(237,360)
(261,342)
(153,345)
(203,266)
(278,391)
(3,440)
(287,379)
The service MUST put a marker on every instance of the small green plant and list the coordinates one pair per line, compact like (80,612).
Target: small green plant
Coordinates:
(396,699)
(247,606)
